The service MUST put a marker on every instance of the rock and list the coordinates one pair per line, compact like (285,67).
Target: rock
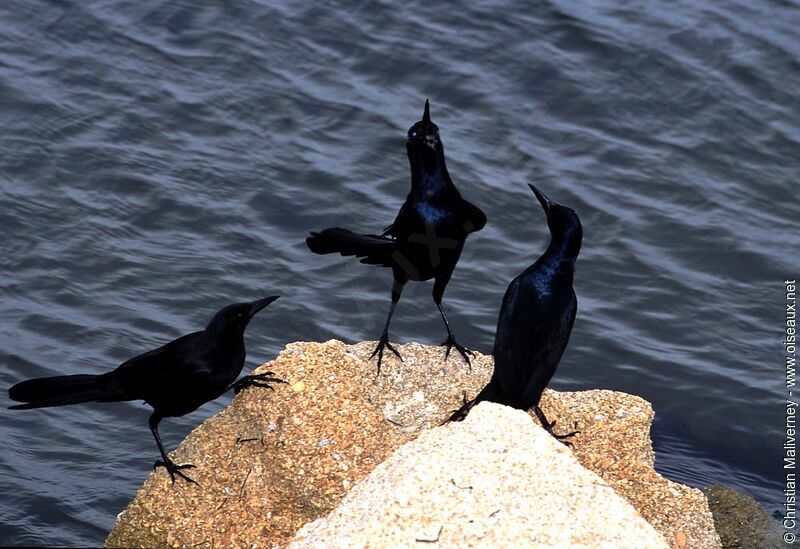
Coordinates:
(263,473)
(740,520)
(620,451)
(495,480)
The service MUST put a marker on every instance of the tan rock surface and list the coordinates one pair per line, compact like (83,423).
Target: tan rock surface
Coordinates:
(495,480)
(273,461)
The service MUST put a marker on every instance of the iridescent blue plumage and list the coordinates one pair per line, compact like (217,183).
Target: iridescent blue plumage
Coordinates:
(429,212)
(535,319)
(427,236)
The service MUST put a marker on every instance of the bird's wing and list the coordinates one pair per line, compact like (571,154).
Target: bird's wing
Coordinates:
(474,217)
(179,361)
(531,336)
(398,227)
(570,314)
(512,327)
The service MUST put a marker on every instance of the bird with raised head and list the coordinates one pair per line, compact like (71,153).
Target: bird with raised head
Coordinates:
(174,379)
(535,320)
(427,236)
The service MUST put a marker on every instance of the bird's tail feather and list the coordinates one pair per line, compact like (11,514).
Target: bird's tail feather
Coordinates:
(59,391)
(373,249)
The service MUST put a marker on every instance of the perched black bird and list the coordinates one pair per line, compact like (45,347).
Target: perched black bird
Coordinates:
(426,238)
(174,379)
(535,320)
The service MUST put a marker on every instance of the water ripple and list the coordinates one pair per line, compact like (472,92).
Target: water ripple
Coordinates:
(161,160)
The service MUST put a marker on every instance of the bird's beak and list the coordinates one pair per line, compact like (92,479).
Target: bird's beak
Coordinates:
(260,304)
(426,116)
(542,198)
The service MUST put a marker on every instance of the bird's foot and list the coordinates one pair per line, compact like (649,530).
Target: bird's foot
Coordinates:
(384,342)
(175,469)
(548,426)
(256,380)
(561,438)
(463,351)
(461,413)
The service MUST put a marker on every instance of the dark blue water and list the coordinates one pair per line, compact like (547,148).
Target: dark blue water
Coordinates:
(161,159)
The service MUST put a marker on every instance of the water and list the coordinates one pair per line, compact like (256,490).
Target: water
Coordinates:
(160,160)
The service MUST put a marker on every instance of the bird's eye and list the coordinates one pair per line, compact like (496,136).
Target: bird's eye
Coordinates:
(413,135)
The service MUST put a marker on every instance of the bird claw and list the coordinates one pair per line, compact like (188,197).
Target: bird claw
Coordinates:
(384,342)
(461,413)
(456,416)
(174,469)
(548,426)
(463,351)
(257,380)
(560,438)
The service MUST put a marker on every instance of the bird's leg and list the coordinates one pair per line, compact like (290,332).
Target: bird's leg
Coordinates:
(384,340)
(255,380)
(171,467)
(548,426)
(461,413)
(451,341)
(397,289)
(438,292)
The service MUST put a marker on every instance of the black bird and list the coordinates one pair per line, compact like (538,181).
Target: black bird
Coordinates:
(174,379)
(535,320)
(426,238)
